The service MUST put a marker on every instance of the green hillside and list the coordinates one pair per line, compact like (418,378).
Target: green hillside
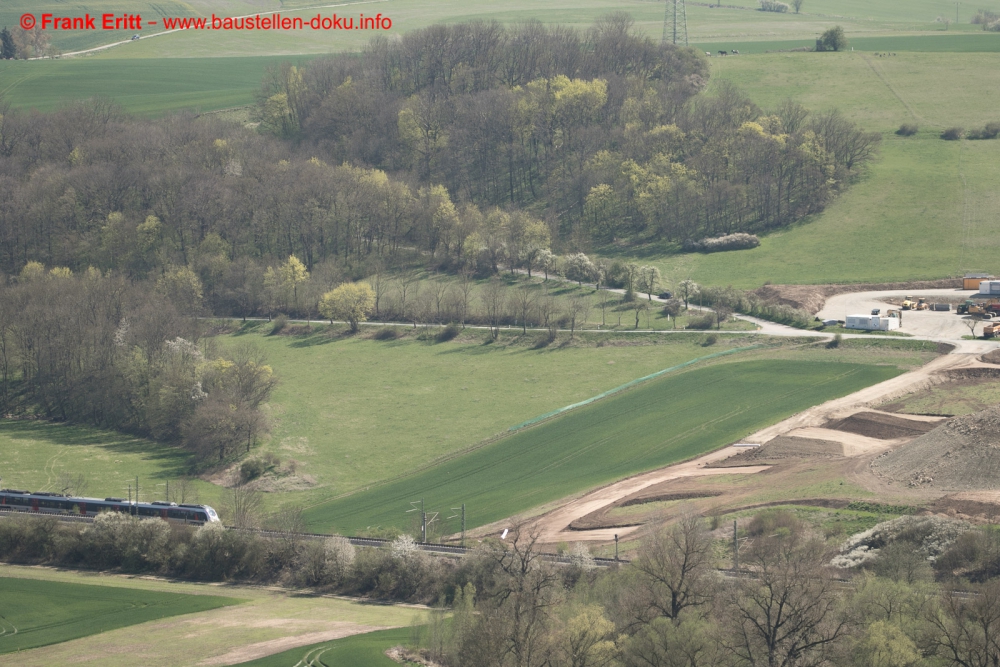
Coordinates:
(659,423)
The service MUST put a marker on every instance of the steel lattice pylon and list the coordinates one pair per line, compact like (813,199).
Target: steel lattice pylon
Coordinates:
(675,23)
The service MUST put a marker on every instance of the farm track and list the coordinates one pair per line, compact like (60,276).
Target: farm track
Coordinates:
(555,524)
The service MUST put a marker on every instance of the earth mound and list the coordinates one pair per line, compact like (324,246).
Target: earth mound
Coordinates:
(881,426)
(962,454)
(782,448)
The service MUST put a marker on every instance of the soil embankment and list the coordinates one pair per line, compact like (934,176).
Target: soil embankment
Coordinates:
(811,298)
(961,455)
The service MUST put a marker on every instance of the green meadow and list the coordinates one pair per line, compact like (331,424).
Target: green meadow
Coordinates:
(38,613)
(927,208)
(655,424)
(41,456)
(351,411)
(367,650)
(147,87)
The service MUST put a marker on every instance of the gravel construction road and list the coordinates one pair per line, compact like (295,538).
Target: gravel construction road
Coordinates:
(920,323)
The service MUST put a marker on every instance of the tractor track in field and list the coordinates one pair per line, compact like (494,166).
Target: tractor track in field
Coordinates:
(885,80)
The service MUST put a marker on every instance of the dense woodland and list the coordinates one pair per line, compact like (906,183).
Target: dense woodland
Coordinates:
(474,143)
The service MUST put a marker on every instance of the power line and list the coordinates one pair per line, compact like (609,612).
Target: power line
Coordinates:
(675,26)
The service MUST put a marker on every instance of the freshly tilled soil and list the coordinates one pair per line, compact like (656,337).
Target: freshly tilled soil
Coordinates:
(881,426)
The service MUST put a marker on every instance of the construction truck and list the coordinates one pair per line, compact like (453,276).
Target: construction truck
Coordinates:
(909,303)
(991,330)
(971,307)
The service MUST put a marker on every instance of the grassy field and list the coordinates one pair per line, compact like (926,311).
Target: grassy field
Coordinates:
(738,20)
(145,87)
(953,398)
(661,422)
(367,650)
(351,411)
(37,613)
(927,207)
(269,620)
(39,456)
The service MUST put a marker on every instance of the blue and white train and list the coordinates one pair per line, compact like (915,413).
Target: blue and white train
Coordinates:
(58,503)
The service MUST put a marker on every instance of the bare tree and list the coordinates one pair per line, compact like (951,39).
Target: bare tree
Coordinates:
(464,291)
(439,292)
(675,566)
(519,599)
(494,298)
(578,311)
(972,321)
(242,503)
(785,613)
(604,299)
(379,282)
(722,314)
(968,627)
(524,302)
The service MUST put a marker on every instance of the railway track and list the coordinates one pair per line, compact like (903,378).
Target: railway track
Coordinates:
(371,542)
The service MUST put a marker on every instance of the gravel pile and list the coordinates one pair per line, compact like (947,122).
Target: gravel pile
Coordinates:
(963,454)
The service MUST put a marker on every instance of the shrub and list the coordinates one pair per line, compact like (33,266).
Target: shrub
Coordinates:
(738,241)
(448,333)
(989,131)
(773,6)
(835,343)
(278,324)
(702,323)
(387,333)
(832,40)
(930,536)
(986,18)
(953,133)
(907,130)
(753,304)
(710,340)
(252,469)
(772,521)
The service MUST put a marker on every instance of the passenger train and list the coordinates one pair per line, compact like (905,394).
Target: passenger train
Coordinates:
(58,503)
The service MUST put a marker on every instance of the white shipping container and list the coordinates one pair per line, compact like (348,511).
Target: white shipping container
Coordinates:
(989,287)
(871,323)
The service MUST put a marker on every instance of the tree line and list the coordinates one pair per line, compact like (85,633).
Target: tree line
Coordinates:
(669,607)
(102,350)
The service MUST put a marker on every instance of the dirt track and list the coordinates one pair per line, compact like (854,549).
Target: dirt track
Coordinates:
(813,423)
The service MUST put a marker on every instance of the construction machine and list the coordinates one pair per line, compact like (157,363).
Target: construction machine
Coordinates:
(909,303)
(971,307)
(991,330)
(922,303)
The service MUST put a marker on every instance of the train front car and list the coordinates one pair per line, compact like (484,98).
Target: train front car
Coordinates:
(57,503)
